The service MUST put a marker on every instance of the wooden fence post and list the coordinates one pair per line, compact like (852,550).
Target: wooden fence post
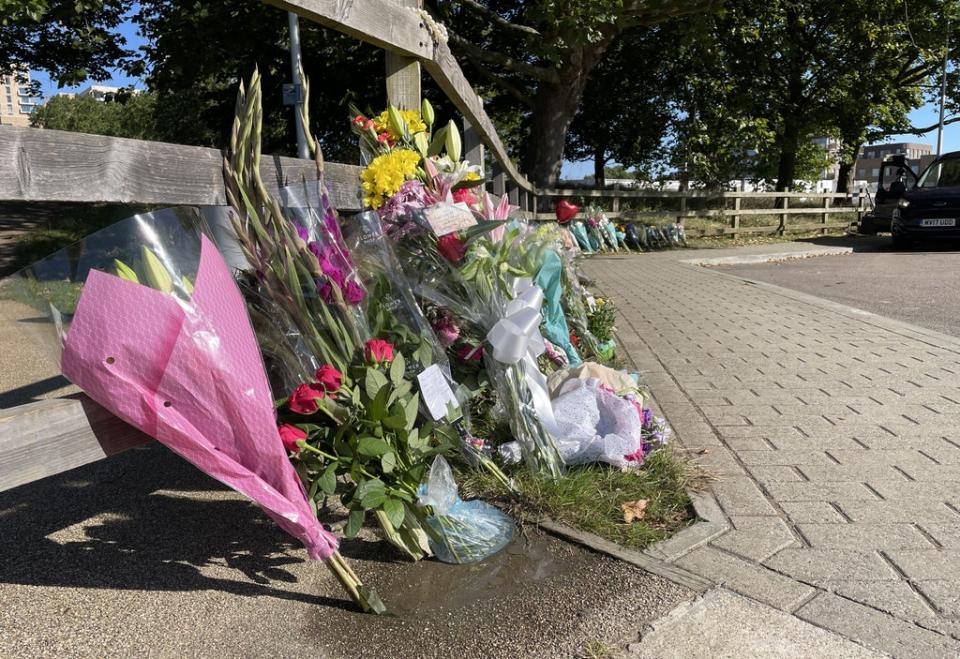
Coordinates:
(782,228)
(403,75)
(513,193)
(473,147)
(683,210)
(826,215)
(735,222)
(860,205)
(616,198)
(499,181)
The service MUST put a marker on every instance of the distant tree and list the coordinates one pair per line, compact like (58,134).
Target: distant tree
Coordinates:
(541,54)
(626,112)
(120,115)
(197,53)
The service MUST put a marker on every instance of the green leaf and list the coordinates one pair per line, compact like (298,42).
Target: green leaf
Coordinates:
(388,462)
(368,486)
(328,480)
(373,499)
(394,510)
(373,447)
(397,369)
(354,523)
(378,407)
(373,382)
(410,409)
(395,422)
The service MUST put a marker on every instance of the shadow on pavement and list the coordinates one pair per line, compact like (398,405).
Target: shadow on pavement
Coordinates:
(147,520)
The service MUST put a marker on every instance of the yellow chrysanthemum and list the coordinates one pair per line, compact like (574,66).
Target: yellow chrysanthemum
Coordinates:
(411,117)
(383,177)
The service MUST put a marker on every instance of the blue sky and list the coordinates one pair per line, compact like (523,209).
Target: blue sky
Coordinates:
(924,116)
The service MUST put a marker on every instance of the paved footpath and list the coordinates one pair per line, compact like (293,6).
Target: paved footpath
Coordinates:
(835,438)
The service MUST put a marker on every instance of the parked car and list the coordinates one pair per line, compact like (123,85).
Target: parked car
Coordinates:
(930,207)
(895,178)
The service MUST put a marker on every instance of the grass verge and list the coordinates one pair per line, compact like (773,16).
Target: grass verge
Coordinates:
(589,497)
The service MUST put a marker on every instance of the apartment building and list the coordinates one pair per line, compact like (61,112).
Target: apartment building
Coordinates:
(16,100)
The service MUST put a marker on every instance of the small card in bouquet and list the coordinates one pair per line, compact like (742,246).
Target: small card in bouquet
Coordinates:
(435,392)
(448,218)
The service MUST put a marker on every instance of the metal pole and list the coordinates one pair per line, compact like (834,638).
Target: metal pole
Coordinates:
(294,23)
(943,92)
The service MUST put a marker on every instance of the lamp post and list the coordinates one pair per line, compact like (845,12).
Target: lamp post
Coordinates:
(297,92)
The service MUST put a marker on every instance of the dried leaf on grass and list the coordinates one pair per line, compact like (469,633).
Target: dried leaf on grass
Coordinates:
(634,510)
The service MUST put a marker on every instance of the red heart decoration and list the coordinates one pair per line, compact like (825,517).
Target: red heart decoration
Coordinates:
(566,211)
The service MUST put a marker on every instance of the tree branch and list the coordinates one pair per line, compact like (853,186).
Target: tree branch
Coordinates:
(507,62)
(920,131)
(503,83)
(637,12)
(497,19)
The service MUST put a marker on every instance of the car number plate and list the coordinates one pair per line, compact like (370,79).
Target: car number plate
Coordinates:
(939,222)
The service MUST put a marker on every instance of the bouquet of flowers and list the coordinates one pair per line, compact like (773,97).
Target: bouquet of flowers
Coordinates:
(153,328)
(355,418)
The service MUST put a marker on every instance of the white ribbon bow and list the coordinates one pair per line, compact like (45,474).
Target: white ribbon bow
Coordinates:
(516,339)
(517,334)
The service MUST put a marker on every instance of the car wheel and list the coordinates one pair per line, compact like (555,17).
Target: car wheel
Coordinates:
(868,227)
(900,241)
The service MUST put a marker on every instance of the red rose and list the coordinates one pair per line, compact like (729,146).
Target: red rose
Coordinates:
(290,435)
(452,247)
(378,351)
(464,195)
(329,378)
(574,340)
(469,353)
(304,398)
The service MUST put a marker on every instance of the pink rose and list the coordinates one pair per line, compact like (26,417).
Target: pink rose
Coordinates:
(304,398)
(464,195)
(447,332)
(378,351)
(290,435)
(329,378)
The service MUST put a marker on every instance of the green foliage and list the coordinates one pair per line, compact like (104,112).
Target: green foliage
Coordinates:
(73,40)
(378,448)
(601,320)
(124,115)
(197,53)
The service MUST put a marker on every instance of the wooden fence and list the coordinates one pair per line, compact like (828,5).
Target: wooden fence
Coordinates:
(47,437)
(792,211)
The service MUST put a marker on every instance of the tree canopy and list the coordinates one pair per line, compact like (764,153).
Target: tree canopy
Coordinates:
(712,91)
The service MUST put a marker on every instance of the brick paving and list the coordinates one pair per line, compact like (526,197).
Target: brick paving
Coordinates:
(835,438)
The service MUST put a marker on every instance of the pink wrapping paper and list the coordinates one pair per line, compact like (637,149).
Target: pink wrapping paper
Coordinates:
(190,374)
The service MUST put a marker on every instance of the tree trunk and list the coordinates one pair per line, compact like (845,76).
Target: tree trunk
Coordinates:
(554,108)
(846,175)
(787,162)
(599,165)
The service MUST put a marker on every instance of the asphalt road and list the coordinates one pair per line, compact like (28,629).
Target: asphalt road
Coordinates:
(921,286)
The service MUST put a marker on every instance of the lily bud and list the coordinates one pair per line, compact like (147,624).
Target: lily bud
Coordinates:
(453,142)
(426,111)
(154,271)
(397,123)
(124,271)
(422,144)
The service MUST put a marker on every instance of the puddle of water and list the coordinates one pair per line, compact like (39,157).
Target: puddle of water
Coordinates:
(430,587)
